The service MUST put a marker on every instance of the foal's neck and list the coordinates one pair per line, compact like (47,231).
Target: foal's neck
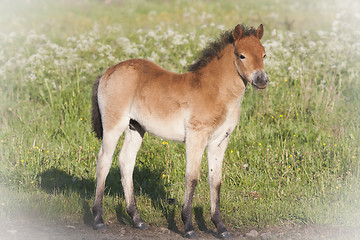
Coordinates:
(221,72)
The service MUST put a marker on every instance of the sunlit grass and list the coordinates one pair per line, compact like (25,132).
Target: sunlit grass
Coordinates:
(293,156)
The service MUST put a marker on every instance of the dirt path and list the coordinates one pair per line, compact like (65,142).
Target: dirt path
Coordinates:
(26,229)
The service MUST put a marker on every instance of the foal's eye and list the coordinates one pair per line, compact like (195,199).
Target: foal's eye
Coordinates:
(242,56)
(264,56)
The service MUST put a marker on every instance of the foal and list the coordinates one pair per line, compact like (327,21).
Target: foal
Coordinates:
(199,107)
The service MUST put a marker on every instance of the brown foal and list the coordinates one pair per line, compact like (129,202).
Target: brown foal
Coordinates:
(200,107)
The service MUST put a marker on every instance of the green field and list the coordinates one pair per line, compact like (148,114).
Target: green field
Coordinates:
(294,156)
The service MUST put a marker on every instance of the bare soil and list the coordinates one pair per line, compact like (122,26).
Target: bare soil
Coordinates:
(22,228)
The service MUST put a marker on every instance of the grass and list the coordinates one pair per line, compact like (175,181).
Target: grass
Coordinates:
(293,157)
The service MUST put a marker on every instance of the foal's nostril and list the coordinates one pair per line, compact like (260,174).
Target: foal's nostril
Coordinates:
(259,79)
(262,79)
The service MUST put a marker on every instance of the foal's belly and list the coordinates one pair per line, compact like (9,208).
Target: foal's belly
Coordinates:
(171,130)
(171,127)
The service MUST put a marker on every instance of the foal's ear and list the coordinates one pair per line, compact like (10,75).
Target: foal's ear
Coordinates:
(237,33)
(260,31)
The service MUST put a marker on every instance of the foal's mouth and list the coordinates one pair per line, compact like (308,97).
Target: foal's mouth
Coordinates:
(257,86)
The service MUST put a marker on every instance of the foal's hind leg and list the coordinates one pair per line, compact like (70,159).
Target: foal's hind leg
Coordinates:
(133,138)
(216,152)
(110,139)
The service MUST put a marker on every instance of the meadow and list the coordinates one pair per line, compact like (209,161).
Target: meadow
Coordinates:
(293,158)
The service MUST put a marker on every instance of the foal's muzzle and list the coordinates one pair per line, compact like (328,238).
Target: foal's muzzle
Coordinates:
(259,79)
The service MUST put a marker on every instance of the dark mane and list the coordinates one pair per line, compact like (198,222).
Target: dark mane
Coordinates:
(215,47)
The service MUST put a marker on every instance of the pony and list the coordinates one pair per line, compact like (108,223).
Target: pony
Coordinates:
(200,107)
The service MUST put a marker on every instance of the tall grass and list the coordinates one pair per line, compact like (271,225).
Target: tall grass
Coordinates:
(293,157)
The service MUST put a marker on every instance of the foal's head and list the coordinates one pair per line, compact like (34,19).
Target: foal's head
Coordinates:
(249,54)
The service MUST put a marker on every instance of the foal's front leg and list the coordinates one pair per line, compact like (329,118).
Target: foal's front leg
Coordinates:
(216,152)
(195,145)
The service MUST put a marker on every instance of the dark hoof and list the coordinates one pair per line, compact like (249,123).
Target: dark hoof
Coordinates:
(142,225)
(225,235)
(99,223)
(191,235)
(99,226)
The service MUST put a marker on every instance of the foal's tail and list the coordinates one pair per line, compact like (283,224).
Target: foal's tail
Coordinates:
(96,116)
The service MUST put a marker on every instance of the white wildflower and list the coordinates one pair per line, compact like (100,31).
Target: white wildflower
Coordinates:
(169,33)
(152,34)
(183,62)
(273,33)
(221,27)
(131,50)
(312,44)
(32,76)
(112,58)
(203,41)
(180,40)
(189,54)
(71,39)
(163,50)
(154,57)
